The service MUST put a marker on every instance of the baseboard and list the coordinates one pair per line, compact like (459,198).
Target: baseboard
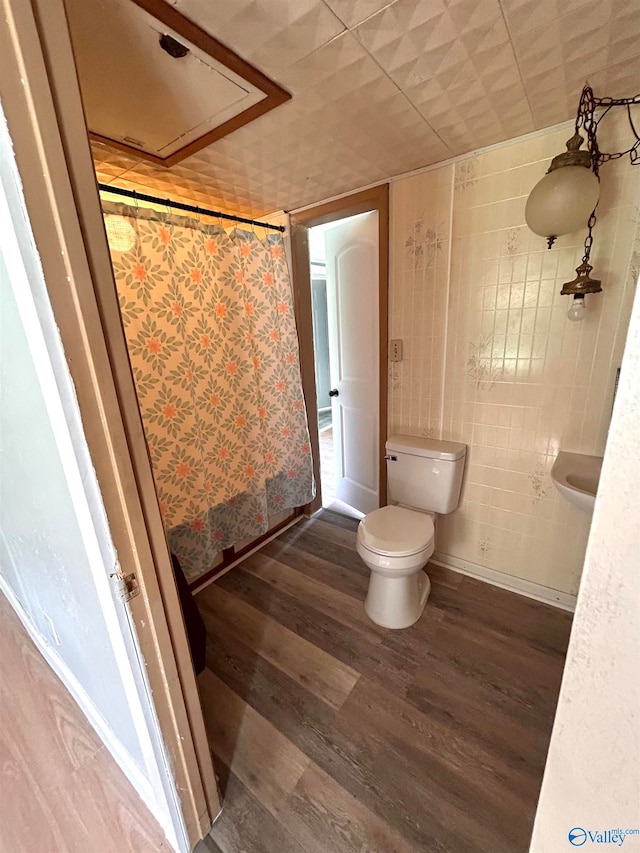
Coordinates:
(555,597)
(122,758)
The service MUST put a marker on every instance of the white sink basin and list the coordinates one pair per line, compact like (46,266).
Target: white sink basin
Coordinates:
(576,477)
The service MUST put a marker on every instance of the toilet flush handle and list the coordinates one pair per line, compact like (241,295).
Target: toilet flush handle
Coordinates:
(391,458)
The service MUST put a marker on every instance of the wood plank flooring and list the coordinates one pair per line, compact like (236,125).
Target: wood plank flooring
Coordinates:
(333,735)
(60,790)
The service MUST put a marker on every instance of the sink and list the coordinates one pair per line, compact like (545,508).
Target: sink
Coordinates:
(576,477)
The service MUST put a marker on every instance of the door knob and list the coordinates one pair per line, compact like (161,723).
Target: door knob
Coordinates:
(334,392)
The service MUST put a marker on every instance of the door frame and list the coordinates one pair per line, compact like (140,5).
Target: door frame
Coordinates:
(43,108)
(375,198)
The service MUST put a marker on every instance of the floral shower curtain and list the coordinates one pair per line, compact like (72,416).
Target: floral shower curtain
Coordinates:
(208,317)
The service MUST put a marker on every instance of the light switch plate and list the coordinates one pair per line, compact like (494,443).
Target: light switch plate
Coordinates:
(395,349)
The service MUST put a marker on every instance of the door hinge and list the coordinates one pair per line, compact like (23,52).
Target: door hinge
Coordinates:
(126,585)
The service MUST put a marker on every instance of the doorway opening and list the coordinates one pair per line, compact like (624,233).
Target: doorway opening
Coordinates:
(343,260)
(340,269)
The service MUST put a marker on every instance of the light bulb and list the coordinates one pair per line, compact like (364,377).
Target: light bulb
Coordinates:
(577,310)
(562,201)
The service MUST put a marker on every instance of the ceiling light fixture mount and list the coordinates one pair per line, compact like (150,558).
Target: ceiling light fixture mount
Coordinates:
(173,47)
(567,196)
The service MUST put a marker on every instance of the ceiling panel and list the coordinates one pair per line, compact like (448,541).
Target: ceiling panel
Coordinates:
(274,34)
(524,15)
(558,52)
(128,80)
(415,40)
(380,88)
(354,12)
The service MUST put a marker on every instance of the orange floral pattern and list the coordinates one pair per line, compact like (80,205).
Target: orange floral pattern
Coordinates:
(208,317)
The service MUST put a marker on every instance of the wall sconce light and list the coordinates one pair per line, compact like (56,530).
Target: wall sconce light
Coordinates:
(567,197)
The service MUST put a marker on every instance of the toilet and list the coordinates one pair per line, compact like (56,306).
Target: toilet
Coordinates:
(396,541)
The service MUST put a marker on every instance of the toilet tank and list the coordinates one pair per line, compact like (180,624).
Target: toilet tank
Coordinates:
(424,474)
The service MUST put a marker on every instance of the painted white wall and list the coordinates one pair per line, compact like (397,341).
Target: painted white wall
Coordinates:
(56,551)
(43,558)
(592,775)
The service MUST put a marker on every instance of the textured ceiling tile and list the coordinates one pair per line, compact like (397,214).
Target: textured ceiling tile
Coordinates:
(555,98)
(414,41)
(272,35)
(398,36)
(480,101)
(354,12)
(182,195)
(341,62)
(557,58)
(525,15)
(473,16)
(112,162)
(587,39)
(463,137)
(621,80)
(292,171)
(403,136)
(102,176)
(414,82)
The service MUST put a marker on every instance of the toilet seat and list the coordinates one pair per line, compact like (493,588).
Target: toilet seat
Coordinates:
(396,531)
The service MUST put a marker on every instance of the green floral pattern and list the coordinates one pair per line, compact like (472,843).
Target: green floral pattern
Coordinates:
(208,317)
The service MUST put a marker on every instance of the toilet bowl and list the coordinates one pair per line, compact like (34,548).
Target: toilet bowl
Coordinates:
(395,543)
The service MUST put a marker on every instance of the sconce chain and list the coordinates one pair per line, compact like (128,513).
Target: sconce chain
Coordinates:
(588,243)
(587,121)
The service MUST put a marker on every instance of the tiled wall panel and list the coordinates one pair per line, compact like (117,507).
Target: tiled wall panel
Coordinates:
(491,358)
(419,261)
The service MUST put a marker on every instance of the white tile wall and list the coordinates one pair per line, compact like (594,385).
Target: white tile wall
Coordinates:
(490,356)
(419,258)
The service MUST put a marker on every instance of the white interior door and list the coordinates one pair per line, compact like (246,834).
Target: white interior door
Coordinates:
(354,345)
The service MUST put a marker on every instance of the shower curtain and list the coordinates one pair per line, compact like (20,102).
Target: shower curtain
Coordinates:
(208,318)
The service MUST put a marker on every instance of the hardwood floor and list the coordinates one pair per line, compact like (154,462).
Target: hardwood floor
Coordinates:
(333,734)
(60,790)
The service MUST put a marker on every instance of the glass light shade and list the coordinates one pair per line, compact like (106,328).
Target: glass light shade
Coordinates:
(562,201)
(577,309)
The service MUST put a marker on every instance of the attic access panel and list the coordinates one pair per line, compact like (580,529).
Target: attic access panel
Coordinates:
(140,99)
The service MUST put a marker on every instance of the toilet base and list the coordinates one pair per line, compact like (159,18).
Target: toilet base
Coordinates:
(397,602)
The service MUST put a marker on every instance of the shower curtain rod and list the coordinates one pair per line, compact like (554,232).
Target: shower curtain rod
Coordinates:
(107,188)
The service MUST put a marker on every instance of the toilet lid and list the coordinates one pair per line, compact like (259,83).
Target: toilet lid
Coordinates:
(396,530)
